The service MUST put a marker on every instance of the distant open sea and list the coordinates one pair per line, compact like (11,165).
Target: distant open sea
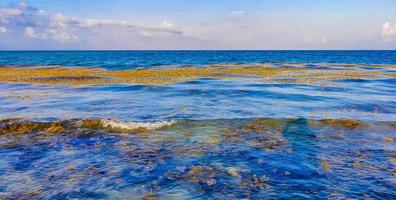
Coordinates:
(197,125)
(120,60)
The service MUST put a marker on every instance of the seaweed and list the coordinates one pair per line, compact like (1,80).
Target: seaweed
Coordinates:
(344,123)
(93,76)
(325,165)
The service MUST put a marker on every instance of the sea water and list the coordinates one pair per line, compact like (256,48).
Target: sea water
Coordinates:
(208,138)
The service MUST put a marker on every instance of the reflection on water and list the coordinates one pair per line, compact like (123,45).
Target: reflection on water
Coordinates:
(246,158)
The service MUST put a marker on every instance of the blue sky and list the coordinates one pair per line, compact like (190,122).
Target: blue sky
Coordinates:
(198,24)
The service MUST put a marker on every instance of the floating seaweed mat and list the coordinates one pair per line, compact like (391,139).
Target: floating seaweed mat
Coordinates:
(236,126)
(93,76)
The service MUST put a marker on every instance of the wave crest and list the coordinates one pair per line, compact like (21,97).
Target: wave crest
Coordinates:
(115,124)
(19,126)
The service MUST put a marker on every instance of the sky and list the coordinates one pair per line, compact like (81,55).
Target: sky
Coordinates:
(197,24)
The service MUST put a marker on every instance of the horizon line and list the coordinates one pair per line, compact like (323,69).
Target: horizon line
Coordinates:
(197,50)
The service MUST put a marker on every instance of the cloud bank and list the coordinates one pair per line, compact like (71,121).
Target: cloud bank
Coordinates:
(25,27)
(22,21)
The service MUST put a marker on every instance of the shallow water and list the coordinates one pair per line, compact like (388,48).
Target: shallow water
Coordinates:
(366,100)
(208,138)
(250,158)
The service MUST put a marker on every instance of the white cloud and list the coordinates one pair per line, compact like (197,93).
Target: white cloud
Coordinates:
(89,23)
(56,27)
(3,29)
(60,35)
(59,20)
(33,28)
(56,31)
(166,24)
(41,13)
(11,12)
(8,12)
(237,13)
(30,32)
(389,30)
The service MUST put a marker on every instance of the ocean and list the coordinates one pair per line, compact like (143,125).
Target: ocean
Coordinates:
(197,124)
(121,60)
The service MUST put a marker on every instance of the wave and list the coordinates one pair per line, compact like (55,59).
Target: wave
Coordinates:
(20,126)
(115,124)
(75,126)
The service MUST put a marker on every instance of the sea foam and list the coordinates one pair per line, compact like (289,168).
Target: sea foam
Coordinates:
(111,123)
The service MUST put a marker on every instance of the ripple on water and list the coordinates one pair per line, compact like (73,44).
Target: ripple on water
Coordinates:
(331,132)
(240,158)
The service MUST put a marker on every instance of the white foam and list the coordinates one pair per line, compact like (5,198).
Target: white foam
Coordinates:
(110,123)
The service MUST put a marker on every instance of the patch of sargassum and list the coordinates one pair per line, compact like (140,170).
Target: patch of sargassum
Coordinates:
(285,73)
(20,126)
(268,134)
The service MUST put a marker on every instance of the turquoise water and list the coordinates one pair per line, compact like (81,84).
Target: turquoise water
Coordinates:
(222,139)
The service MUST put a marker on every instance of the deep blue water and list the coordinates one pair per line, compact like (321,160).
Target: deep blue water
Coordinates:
(232,139)
(119,60)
